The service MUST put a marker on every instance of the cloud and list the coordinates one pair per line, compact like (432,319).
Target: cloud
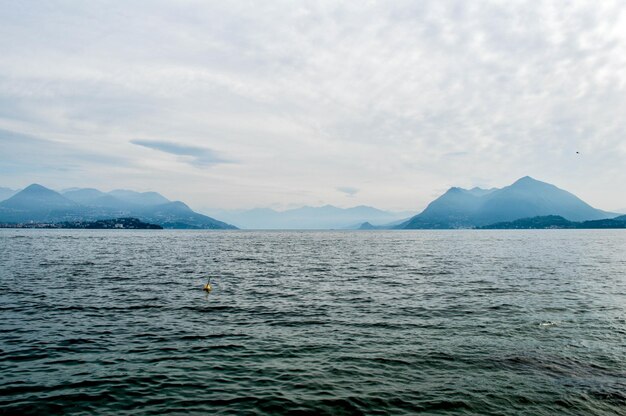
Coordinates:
(348,190)
(395,98)
(24,153)
(197,156)
(455,154)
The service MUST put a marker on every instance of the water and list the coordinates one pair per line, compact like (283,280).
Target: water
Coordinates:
(442,322)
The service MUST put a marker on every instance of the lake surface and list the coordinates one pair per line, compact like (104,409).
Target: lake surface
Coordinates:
(398,322)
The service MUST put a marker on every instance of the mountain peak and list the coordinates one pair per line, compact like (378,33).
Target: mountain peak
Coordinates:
(527,180)
(454,190)
(525,198)
(36,188)
(528,184)
(38,197)
(38,191)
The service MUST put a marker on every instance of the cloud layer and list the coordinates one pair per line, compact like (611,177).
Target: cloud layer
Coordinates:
(197,156)
(348,190)
(399,99)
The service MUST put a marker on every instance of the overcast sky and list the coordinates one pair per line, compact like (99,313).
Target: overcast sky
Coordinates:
(278,104)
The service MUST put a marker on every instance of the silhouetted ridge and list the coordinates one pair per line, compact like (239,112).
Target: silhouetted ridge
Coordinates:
(37,203)
(525,198)
(39,198)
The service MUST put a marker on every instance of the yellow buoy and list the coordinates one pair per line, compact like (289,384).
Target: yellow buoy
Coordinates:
(207,287)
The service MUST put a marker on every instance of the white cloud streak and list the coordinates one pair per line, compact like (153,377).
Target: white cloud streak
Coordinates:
(196,156)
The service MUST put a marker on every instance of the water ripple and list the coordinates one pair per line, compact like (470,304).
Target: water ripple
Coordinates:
(310,323)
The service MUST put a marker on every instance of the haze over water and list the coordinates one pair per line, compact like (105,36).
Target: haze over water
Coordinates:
(469,322)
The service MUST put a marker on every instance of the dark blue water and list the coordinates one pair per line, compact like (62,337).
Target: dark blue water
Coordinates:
(445,322)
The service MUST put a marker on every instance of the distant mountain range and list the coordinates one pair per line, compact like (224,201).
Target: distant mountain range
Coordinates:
(37,203)
(556,221)
(324,217)
(526,198)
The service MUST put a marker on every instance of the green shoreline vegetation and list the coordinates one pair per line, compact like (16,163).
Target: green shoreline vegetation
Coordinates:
(117,223)
(556,222)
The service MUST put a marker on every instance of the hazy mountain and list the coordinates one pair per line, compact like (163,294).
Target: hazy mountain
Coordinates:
(387,226)
(37,197)
(176,214)
(139,198)
(454,209)
(527,197)
(37,203)
(40,204)
(119,198)
(94,198)
(476,191)
(83,195)
(367,226)
(324,217)
(6,193)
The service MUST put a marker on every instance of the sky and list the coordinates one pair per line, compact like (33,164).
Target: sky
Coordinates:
(280,104)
